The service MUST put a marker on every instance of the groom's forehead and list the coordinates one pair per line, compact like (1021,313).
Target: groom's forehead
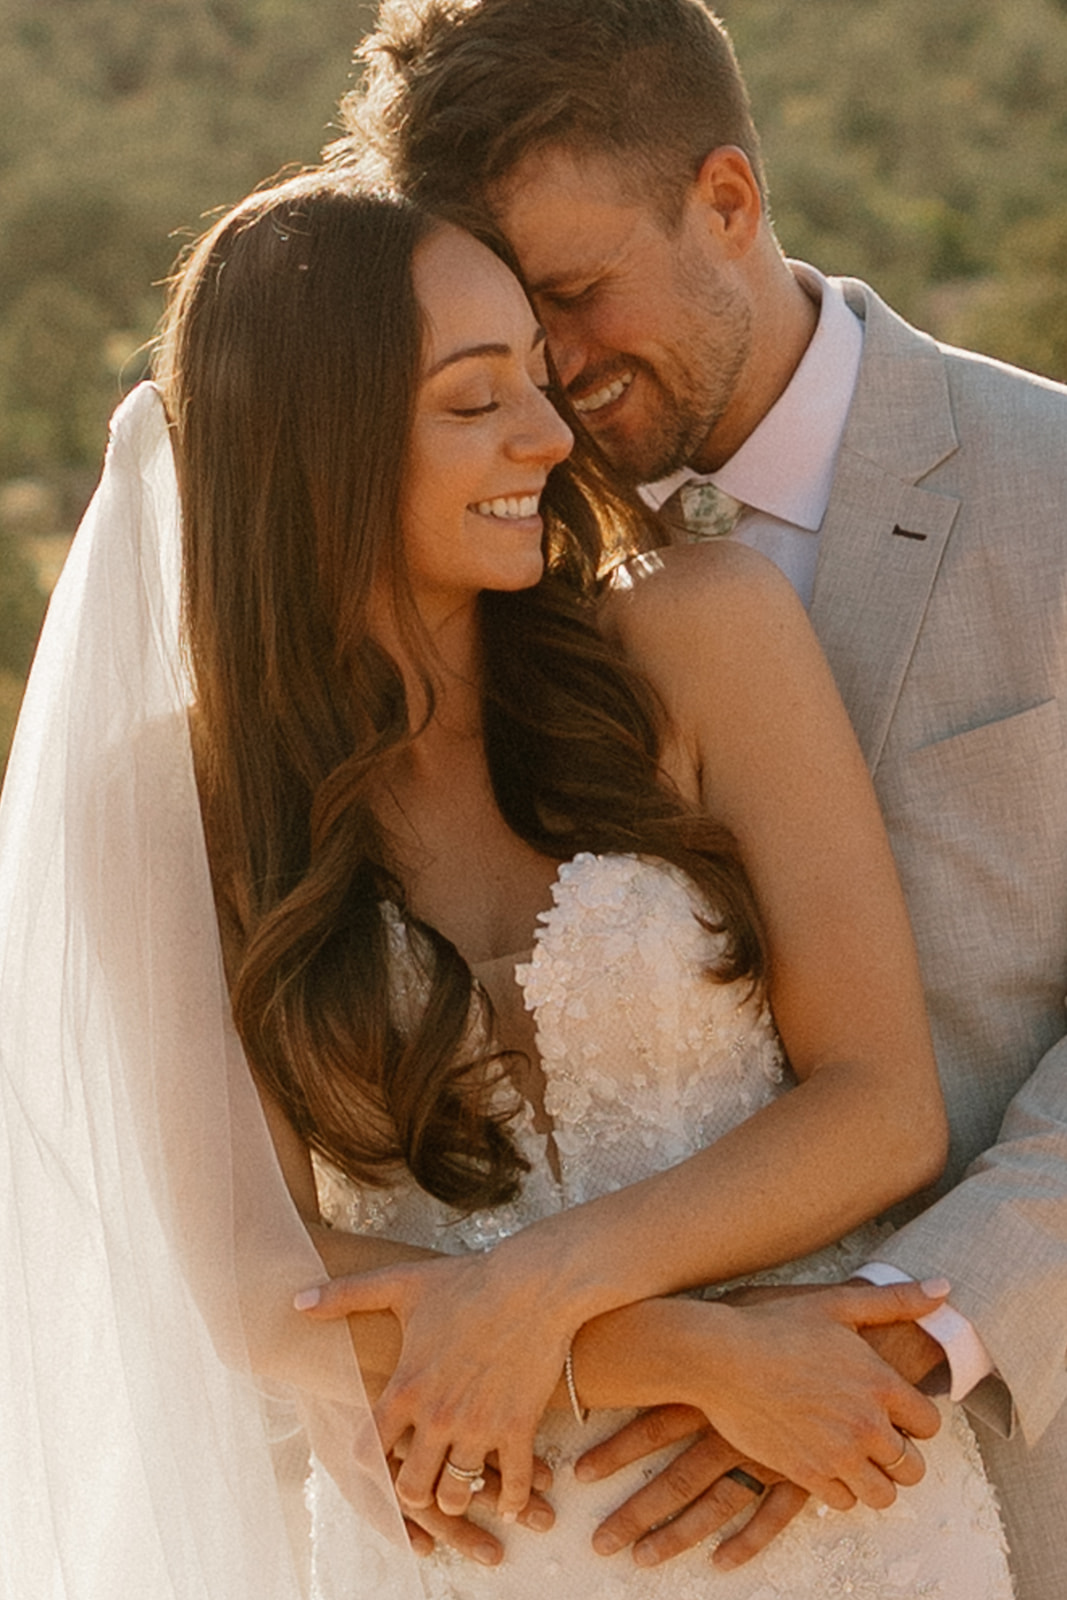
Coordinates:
(564,173)
(568,215)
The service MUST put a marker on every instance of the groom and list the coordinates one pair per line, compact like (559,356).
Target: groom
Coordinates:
(917,498)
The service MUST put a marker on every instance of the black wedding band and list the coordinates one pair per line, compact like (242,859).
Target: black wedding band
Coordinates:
(746,1480)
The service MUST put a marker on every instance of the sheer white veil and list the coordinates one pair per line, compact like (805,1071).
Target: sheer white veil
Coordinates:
(157,1390)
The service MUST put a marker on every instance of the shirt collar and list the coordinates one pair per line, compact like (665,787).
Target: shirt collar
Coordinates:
(786,465)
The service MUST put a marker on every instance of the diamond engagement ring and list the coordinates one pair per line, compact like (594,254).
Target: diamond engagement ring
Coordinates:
(474,1476)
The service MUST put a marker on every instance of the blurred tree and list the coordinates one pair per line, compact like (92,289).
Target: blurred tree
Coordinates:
(21,609)
(917,146)
(125,123)
(21,606)
(1020,312)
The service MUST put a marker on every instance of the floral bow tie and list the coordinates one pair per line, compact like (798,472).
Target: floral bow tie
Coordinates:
(705,511)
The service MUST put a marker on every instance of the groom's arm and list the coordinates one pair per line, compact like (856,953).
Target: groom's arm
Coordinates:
(1004,1228)
(1001,1236)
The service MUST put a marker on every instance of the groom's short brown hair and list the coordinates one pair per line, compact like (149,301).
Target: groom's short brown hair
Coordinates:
(456,92)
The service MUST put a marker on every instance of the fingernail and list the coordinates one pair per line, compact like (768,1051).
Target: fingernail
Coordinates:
(644,1557)
(585,1472)
(306,1299)
(540,1519)
(487,1554)
(509,1516)
(935,1288)
(606,1544)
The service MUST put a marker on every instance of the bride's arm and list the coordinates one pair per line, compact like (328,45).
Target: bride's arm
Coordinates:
(761,738)
(379,1337)
(695,1354)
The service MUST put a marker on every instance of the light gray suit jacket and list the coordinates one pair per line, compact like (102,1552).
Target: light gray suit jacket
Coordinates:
(941,600)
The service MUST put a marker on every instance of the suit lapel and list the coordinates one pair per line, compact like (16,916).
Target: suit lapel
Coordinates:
(883,536)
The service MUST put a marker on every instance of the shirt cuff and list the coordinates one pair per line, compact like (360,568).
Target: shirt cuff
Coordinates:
(968,1359)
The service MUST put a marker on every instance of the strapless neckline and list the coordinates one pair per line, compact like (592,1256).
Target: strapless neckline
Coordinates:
(513,958)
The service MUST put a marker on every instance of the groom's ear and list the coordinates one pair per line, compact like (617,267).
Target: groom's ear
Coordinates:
(728,195)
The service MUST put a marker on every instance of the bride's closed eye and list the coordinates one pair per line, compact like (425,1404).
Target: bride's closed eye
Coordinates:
(475,411)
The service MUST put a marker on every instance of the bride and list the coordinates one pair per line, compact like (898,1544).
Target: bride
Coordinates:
(382,890)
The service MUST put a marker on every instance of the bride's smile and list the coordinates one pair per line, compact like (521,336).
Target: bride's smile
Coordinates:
(484,435)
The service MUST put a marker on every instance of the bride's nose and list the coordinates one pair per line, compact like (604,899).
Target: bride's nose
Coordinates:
(540,433)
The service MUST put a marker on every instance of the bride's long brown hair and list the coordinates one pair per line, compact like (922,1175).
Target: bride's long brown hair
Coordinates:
(289,362)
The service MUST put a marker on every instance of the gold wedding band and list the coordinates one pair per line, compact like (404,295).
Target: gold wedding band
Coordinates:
(890,1466)
(474,1476)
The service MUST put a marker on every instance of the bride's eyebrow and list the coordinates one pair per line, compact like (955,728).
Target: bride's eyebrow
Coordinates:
(472,352)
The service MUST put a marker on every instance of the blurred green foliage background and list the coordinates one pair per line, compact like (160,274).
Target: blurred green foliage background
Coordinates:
(921,146)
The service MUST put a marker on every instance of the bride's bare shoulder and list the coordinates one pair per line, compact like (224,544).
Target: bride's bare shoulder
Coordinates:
(676,608)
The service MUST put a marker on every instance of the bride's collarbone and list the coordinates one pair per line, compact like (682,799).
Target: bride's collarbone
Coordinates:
(482,891)
(463,869)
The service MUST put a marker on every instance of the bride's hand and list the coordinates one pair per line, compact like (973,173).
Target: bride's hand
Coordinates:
(791,1385)
(697,1493)
(431,1529)
(483,1350)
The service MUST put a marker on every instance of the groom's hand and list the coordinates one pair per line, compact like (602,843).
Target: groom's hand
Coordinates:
(691,1498)
(908,1349)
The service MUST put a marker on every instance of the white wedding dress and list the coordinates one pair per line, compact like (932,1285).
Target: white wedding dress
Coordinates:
(646,1061)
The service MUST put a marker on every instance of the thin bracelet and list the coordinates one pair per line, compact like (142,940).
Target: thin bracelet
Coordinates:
(581,1413)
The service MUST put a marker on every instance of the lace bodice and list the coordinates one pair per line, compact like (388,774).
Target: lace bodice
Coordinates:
(647,1059)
